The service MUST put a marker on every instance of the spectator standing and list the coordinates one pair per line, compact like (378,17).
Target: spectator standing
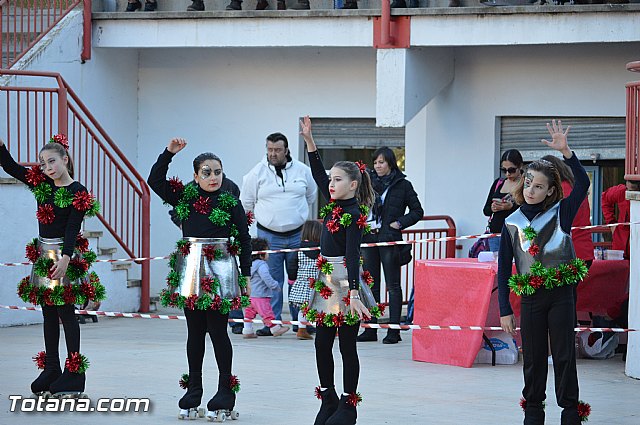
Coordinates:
(499,202)
(394,195)
(612,198)
(279,190)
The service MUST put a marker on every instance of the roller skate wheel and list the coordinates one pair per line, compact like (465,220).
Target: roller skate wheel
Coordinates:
(234,415)
(201,412)
(184,414)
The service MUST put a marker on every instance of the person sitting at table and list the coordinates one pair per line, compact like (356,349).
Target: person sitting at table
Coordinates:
(537,236)
(612,198)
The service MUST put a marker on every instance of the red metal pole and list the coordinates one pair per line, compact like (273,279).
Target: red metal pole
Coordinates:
(385,24)
(146,233)
(86,31)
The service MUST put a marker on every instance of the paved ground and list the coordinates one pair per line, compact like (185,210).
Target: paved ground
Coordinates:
(144,358)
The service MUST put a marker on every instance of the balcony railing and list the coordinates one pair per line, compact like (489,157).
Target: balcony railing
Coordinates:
(632,166)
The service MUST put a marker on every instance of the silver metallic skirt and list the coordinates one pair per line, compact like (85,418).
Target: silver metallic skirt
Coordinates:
(50,248)
(193,267)
(338,282)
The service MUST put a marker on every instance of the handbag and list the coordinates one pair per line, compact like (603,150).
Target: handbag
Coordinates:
(404,254)
(483,244)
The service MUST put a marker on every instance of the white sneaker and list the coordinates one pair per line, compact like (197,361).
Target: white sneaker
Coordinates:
(278,330)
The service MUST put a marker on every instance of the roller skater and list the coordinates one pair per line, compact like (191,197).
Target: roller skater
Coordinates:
(341,295)
(204,279)
(61,260)
(220,407)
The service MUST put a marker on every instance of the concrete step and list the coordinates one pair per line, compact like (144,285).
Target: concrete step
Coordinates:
(134,283)
(92,234)
(121,265)
(106,252)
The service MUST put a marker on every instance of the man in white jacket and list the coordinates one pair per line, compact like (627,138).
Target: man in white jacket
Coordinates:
(279,190)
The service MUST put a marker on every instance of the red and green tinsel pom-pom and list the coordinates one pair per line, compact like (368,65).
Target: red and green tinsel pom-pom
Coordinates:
(202,205)
(82,244)
(42,192)
(324,265)
(362,221)
(326,292)
(77,363)
(318,393)
(234,383)
(333,225)
(250,218)
(534,249)
(584,410)
(35,176)
(60,139)
(83,200)
(354,399)
(367,278)
(184,381)
(176,184)
(346,300)
(184,247)
(31,251)
(40,359)
(219,217)
(529,233)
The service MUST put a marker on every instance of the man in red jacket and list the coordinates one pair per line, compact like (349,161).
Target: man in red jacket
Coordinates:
(612,197)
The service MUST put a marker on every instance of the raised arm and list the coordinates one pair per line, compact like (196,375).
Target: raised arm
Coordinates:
(317,167)
(10,166)
(157,179)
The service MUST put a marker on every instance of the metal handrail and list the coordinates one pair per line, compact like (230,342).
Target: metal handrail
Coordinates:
(23,23)
(39,112)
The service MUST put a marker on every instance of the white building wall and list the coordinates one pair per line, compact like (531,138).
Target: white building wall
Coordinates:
(228,100)
(460,146)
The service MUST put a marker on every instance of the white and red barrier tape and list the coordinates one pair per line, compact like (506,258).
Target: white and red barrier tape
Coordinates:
(295,322)
(364,245)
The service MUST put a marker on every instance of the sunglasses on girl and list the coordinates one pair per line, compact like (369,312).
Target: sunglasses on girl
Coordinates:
(510,170)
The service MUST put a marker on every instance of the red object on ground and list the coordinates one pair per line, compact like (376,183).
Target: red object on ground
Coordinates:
(451,292)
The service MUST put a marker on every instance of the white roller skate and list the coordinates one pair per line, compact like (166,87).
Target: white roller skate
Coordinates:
(220,407)
(189,404)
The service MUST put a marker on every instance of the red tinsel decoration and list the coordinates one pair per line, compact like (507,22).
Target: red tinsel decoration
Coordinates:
(45,214)
(362,221)
(88,290)
(68,296)
(305,309)
(236,303)
(32,253)
(361,166)
(73,362)
(354,399)
(33,296)
(320,262)
(536,281)
(333,225)
(523,403)
(35,176)
(176,184)
(233,381)
(318,393)
(203,205)
(79,263)
(584,410)
(209,251)
(190,302)
(250,218)
(216,303)
(337,212)
(232,249)
(40,359)
(173,299)
(83,200)
(185,249)
(366,276)
(61,139)
(326,292)
(320,319)
(205,283)
(382,307)
(82,243)
(46,296)
(534,249)
(346,300)
(573,269)
(338,319)
(312,283)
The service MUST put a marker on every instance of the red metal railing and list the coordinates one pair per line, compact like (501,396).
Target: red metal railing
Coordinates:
(632,165)
(34,114)
(424,251)
(24,22)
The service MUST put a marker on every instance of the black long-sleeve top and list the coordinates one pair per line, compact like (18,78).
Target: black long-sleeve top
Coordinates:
(497,218)
(198,225)
(568,210)
(67,221)
(346,241)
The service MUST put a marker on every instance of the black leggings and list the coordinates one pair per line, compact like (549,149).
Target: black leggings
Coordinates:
(324,356)
(199,322)
(51,327)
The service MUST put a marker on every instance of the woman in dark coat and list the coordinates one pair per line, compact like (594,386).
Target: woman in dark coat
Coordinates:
(394,195)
